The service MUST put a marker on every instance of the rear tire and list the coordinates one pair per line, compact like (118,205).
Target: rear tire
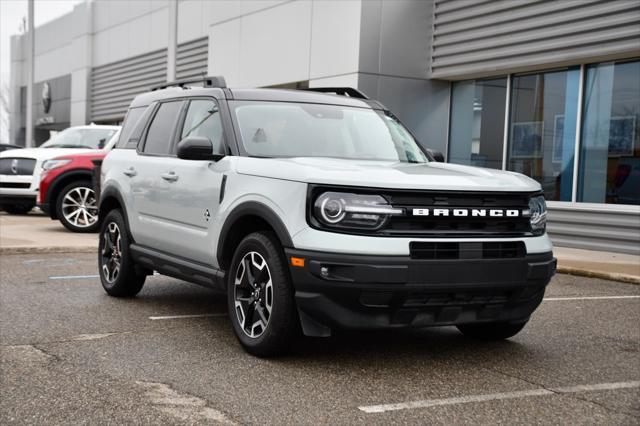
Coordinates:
(19,209)
(117,269)
(260,296)
(76,207)
(492,331)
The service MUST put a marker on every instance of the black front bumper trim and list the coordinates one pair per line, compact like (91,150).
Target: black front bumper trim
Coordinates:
(370,292)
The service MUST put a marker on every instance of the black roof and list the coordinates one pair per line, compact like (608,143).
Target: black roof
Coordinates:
(274,95)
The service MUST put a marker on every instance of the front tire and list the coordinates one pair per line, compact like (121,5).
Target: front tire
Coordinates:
(117,269)
(18,209)
(260,296)
(76,207)
(492,331)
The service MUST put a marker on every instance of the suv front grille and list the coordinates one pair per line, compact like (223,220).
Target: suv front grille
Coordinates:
(18,185)
(457,226)
(17,166)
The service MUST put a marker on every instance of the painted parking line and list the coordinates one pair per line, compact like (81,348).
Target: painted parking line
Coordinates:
(557,299)
(73,277)
(496,396)
(170,317)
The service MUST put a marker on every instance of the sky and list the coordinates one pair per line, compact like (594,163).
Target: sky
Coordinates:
(11,14)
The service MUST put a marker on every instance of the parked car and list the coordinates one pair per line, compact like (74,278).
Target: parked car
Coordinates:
(20,169)
(67,192)
(8,146)
(316,211)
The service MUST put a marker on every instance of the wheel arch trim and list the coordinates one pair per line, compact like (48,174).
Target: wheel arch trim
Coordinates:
(252,208)
(112,193)
(58,185)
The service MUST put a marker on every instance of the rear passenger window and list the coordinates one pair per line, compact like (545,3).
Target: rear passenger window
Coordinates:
(132,124)
(160,134)
(203,119)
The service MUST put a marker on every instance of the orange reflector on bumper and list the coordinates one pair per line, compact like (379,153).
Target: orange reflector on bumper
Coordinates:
(297,261)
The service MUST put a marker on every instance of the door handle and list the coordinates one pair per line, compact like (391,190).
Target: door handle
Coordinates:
(131,172)
(170,177)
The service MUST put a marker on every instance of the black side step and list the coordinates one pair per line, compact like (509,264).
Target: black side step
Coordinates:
(177,267)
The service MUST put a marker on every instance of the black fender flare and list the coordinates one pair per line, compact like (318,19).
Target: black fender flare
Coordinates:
(252,208)
(56,186)
(113,193)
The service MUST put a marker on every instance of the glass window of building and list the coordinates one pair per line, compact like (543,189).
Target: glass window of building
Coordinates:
(477,122)
(610,147)
(542,129)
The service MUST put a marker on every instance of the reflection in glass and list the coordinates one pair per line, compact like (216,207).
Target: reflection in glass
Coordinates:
(542,130)
(477,122)
(610,149)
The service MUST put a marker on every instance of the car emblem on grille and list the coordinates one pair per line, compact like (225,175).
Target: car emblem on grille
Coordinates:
(14,166)
(446,212)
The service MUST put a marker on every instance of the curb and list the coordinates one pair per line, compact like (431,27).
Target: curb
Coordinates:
(49,249)
(612,276)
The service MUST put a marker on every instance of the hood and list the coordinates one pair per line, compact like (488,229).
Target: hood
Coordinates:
(386,174)
(94,154)
(42,154)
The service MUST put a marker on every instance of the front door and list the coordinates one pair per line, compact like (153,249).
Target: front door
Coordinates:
(185,197)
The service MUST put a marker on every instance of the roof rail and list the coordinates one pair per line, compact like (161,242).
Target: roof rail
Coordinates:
(213,81)
(342,91)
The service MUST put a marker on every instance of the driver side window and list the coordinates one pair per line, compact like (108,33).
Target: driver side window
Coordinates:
(203,119)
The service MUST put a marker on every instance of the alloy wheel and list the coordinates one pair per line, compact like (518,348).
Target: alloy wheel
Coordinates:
(79,207)
(111,254)
(253,294)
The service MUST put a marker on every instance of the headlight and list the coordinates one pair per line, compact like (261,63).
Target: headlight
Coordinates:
(54,164)
(538,215)
(352,211)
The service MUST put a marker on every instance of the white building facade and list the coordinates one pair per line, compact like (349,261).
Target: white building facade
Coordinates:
(549,89)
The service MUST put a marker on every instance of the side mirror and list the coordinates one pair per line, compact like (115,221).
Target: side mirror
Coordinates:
(197,148)
(436,155)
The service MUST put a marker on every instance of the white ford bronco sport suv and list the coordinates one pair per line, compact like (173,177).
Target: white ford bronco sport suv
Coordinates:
(316,211)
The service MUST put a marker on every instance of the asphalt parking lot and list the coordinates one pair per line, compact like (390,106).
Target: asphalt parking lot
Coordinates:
(71,354)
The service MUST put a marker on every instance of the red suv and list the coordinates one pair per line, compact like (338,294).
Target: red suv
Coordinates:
(66,190)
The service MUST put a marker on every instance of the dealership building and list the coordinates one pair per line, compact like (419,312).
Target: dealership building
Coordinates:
(550,89)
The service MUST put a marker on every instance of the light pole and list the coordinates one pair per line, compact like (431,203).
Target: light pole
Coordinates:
(29,142)
(173,40)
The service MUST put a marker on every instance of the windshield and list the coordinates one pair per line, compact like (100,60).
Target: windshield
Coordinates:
(285,129)
(74,137)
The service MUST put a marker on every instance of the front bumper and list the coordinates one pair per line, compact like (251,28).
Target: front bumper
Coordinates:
(13,199)
(17,190)
(44,207)
(373,292)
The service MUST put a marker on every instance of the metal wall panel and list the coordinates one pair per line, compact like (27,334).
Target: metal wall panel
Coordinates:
(192,59)
(475,38)
(113,86)
(594,229)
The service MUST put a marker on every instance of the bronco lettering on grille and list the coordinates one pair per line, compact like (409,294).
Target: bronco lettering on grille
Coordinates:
(440,212)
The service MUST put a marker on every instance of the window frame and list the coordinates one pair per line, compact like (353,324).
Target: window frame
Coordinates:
(574,203)
(142,143)
(183,116)
(131,142)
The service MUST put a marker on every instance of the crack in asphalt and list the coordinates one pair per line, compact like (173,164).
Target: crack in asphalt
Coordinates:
(563,394)
(162,397)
